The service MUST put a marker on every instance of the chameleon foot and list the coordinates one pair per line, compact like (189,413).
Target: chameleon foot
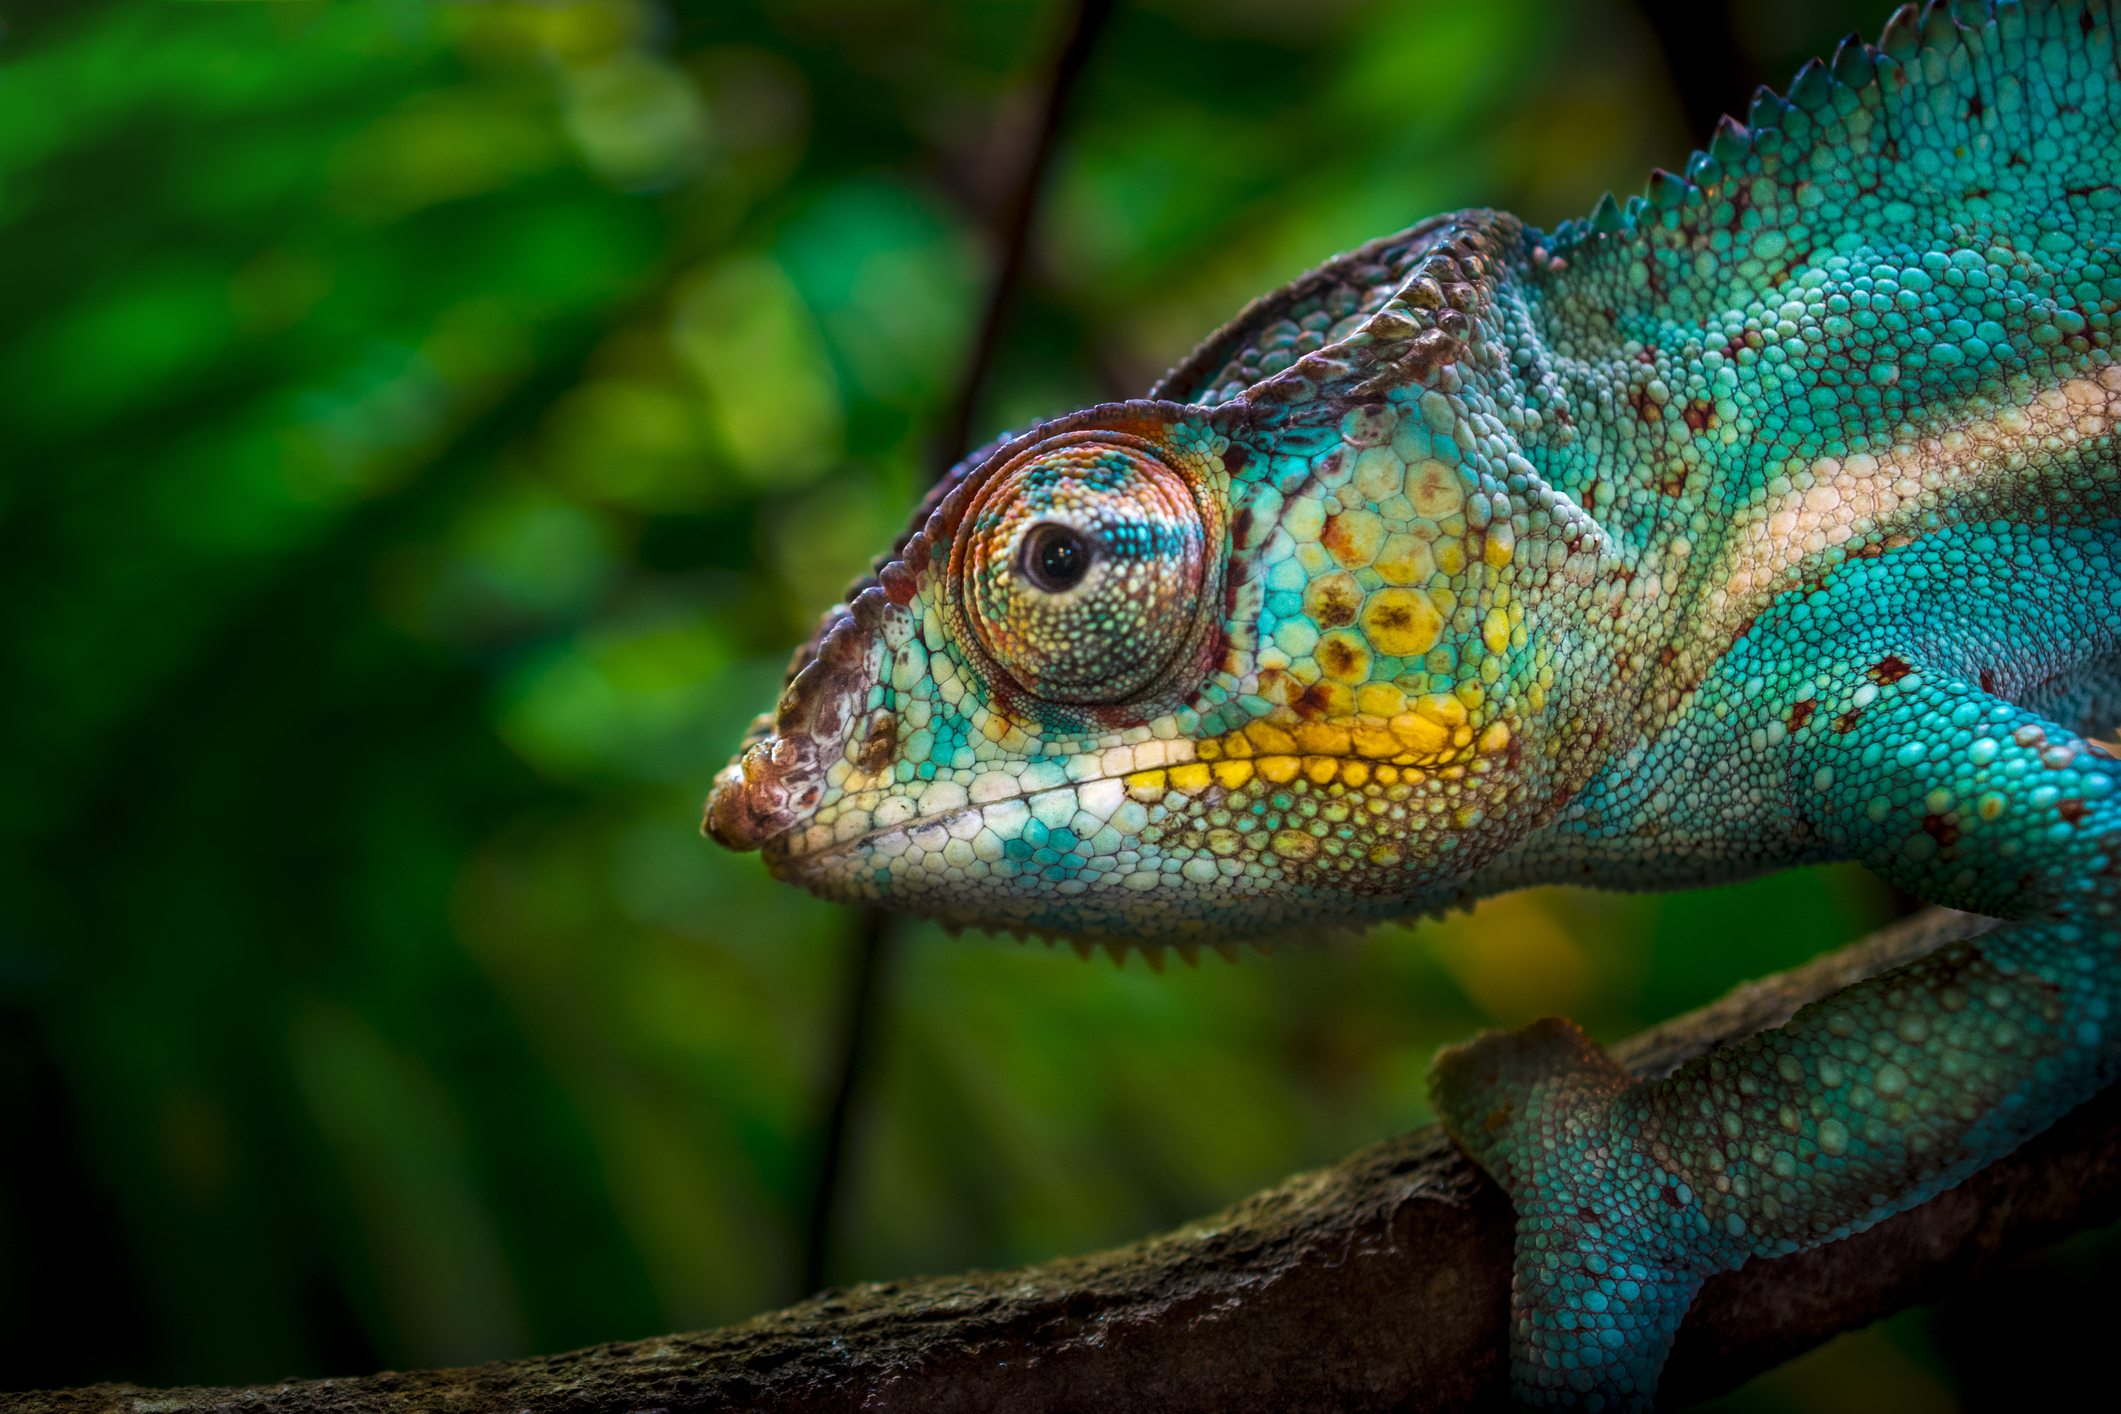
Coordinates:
(1611,1242)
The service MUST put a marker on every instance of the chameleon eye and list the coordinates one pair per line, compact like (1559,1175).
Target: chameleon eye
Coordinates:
(1080,571)
(1056,557)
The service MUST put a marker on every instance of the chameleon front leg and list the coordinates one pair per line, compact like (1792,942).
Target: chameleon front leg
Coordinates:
(1629,1194)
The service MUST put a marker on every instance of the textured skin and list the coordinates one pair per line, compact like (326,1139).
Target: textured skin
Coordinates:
(1768,520)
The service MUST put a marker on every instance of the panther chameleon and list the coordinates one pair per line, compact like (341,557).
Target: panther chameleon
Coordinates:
(1769,518)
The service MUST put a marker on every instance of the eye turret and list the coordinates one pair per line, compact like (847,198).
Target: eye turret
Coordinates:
(1081,573)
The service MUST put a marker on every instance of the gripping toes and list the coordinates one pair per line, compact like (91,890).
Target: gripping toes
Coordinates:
(1630,1193)
(1611,1239)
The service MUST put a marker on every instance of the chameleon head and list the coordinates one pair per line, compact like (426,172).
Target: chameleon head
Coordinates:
(1068,701)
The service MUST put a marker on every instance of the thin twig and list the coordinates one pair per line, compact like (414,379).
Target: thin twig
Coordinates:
(858,1018)
(1016,225)
(870,944)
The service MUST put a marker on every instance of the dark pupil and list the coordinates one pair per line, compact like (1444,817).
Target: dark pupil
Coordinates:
(1055,558)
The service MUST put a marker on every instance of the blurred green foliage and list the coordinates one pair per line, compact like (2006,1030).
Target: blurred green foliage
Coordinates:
(425,429)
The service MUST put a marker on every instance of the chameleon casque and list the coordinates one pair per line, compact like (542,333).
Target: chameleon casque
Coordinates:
(1771,518)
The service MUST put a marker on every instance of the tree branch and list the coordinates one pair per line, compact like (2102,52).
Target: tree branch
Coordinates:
(1379,1283)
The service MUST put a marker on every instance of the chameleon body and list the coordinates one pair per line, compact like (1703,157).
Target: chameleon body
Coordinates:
(1767,519)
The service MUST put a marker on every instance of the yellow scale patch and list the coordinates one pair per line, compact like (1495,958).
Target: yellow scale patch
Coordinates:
(1393,742)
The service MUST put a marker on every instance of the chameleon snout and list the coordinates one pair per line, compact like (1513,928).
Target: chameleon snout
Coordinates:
(779,774)
(760,795)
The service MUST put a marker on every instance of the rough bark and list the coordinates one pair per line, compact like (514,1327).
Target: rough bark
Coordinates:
(1379,1283)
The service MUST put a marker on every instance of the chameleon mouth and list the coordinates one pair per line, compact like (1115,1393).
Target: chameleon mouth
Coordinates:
(1094,794)
(1115,790)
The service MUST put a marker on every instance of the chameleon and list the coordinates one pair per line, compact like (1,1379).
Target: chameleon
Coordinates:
(1770,517)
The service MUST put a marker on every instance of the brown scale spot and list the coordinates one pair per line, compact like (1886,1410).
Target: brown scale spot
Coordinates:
(1700,415)
(1325,699)
(1975,107)
(1670,1195)
(1339,657)
(1645,406)
(1801,712)
(1890,669)
(1846,722)
(1335,601)
(1988,679)
(1353,539)
(1941,828)
(1666,655)
(1868,552)
(880,745)
(1497,1120)
(2071,810)
(1390,619)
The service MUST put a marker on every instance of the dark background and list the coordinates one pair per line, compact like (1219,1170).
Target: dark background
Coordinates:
(423,431)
